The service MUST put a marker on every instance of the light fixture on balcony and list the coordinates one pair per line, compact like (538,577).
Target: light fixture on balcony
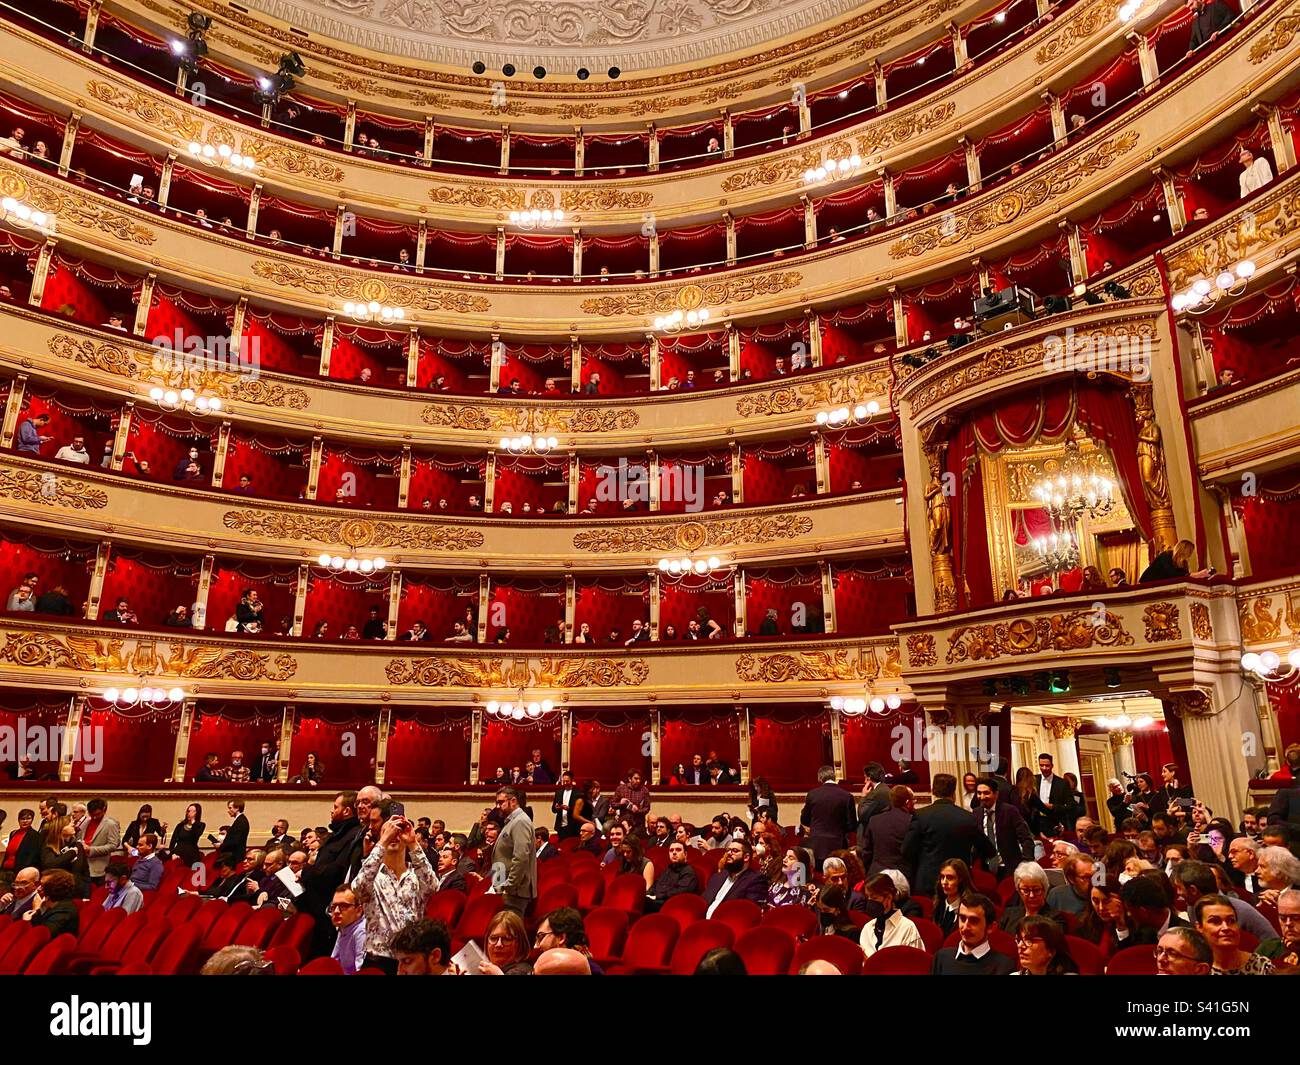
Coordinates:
(374,311)
(843,415)
(522,445)
(537,219)
(351,564)
(832,170)
(222,155)
(680,319)
(25,215)
(1129,9)
(854,706)
(1124,722)
(1267,665)
(521,708)
(155,698)
(1057,552)
(185,399)
(681,567)
(1076,490)
(1203,294)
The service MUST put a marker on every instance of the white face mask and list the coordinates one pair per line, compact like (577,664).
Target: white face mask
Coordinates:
(1124,878)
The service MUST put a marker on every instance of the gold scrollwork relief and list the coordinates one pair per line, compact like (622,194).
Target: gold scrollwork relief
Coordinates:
(687,297)
(500,673)
(73,208)
(808,666)
(1161,621)
(1259,622)
(1073,631)
(331,284)
(693,535)
(355,532)
(36,650)
(530,419)
(920,650)
(1201,627)
(51,490)
(815,394)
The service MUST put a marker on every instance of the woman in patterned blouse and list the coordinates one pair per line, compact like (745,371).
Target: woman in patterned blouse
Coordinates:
(393,885)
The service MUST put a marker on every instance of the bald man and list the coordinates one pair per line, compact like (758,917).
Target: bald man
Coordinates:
(22,896)
(819,968)
(561,961)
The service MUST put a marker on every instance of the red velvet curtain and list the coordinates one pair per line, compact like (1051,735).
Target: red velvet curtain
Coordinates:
(236,727)
(1286,703)
(125,746)
(606,744)
(428,749)
(691,730)
(789,745)
(506,744)
(344,740)
(870,739)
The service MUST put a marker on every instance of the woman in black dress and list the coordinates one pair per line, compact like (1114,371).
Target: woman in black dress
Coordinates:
(312,771)
(186,835)
(144,822)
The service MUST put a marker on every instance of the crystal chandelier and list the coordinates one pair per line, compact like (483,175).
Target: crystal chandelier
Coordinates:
(521,708)
(151,697)
(1069,496)
(1057,552)
(853,706)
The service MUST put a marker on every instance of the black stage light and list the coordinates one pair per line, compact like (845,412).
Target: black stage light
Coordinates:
(479,67)
(1115,290)
(583,73)
(1112,677)
(1019,686)
(508,70)
(614,73)
(198,23)
(291,63)
(1056,304)
(539,73)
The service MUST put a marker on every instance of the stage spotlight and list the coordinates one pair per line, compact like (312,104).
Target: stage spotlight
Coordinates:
(479,67)
(1019,686)
(508,70)
(1059,683)
(583,73)
(614,73)
(1056,304)
(539,73)
(198,23)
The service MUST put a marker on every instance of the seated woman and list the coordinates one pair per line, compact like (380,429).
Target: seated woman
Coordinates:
(954,881)
(508,947)
(633,860)
(583,635)
(1177,562)
(1031,898)
(312,772)
(1040,944)
(1105,922)
(833,914)
(793,884)
(886,927)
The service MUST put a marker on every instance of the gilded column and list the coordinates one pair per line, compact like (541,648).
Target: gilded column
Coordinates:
(13,408)
(501,253)
(656,745)
(412,357)
(199,611)
(1060,132)
(728,135)
(505,150)
(381,751)
(143,307)
(828,596)
(959,56)
(41,273)
(654,253)
(223,453)
(122,438)
(484,604)
(350,127)
(939,528)
(655,589)
(733,351)
(489,481)
(652,145)
(237,325)
(809,223)
(891,194)
(737,474)
(575,365)
(728,218)
(92,26)
(974,177)
(882,87)
(815,339)
(70,136)
(1078,258)
(1147,61)
(326,346)
(181,753)
(575,482)
(254,207)
(1063,730)
(837,744)
(821,463)
(1173,202)
(742,725)
(579,151)
(404,479)
(475,744)
(1279,140)
(394,603)
(1151,465)
(430,131)
(422,246)
(102,553)
(1121,750)
(570,606)
(656,365)
(313,469)
(566,737)
(337,245)
(577,255)
(165,180)
(71,735)
(287,717)
(738,588)
(300,598)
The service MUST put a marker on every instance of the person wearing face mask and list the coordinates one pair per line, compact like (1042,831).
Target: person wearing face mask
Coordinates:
(735,880)
(833,914)
(678,878)
(886,926)
(186,467)
(268,765)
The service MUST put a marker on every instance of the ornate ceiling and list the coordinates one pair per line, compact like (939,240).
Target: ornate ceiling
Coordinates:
(560,35)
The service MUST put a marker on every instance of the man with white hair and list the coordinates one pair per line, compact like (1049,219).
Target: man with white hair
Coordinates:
(819,967)
(1117,801)
(1284,950)
(1278,869)
(1243,855)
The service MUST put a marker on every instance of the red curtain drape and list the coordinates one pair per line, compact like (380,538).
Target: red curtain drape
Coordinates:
(687,731)
(125,747)
(428,749)
(607,744)
(788,745)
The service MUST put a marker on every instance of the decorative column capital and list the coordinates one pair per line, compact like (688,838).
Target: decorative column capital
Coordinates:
(1120,738)
(1063,728)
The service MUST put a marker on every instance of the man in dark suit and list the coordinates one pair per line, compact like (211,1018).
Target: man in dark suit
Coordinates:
(1148,909)
(875,798)
(546,850)
(735,880)
(21,897)
(973,955)
(1285,807)
(697,773)
(541,771)
(1052,804)
(268,765)
(1001,822)
(882,844)
(566,795)
(829,815)
(54,908)
(940,832)
(236,842)
(280,836)
(322,877)
(230,884)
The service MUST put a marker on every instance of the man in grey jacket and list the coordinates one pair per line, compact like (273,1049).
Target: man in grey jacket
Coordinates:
(514,858)
(102,836)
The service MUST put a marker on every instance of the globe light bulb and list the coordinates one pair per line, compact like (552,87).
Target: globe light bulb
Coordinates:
(380,563)
(1245,269)
(492,707)
(187,394)
(214,403)
(366,565)
(170,398)
(110,695)
(893,701)
(224,151)
(714,563)
(837,702)
(1250,662)
(517,713)
(1201,287)
(547,706)
(155,394)
(324,559)
(176,695)
(877,705)
(701,566)
(336,562)
(130,695)
(1270,661)
(352,565)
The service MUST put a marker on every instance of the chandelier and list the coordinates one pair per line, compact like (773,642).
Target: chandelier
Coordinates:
(339,564)
(854,706)
(1057,552)
(186,399)
(682,566)
(25,215)
(1204,294)
(222,155)
(374,311)
(1123,721)
(832,170)
(1267,664)
(537,219)
(679,319)
(842,415)
(521,708)
(518,445)
(150,697)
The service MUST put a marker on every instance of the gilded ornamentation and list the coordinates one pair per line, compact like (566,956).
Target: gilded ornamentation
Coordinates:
(51,490)
(1063,728)
(892,667)
(1161,621)
(267,394)
(355,532)
(1235,238)
(1279,36)
(217,663)
(486,197)
(1073,32)
(920,650)
(530,419)
(1201,627)
(38,650)
(806,666)
(1119,738)
(938,517)
(813,395)
(1260,623)
(273,156)
(722,533)
(1074,631)
(1193,703)
(1151,466)
(642,301)
(359,287)
(604,199)
(159,117)
(499,673)
(961,226)
(73,207)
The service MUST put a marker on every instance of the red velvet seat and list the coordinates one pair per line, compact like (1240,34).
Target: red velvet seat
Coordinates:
(1087,956)
(321,967)
(766,951)
(926,903)
(556,871)
(91,939)
(226,927)
(52,958)
(296,932)
(97,896)
(590,888)
(285,960)
(259,928)
(11,931)
(931,934)
(478,886)
(184,908)
(474,921)
(840,952)
(986,883)
(1132,961)
(446,906)
(113,946)
(1249,941)
(799,921)
(1001,941)
(740,914)
(567,844)
(898,961)
(650,944)
(696,941)
(684,909)
(140,945)
(23,949)
(627,893)
(583,862)
(1006,890)
(555,897)
(177,955)
(606,933)
(137,968)
(207,914)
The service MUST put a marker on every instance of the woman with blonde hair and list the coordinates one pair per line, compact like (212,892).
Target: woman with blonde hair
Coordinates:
(1174,563)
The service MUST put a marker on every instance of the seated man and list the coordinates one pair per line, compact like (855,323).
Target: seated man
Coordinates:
(422,948)
(1284,950)
(147,872)
(563,930)
(588,840)
(1183,952)
(678,878)
(54,909)
(973,955)
(349,921)
(450,877)
(546,850)
(122,893)
(735,880)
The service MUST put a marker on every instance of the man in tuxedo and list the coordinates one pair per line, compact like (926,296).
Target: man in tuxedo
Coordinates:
(829,815)
(735,880)
(566,795)
(1002,824)
(1243,856)
(940,832)
(882,844)
(875,799)
(973,955)
(280,835)
(268,765)
(236,842)
(20,898)
(697,773)
(1052,804)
